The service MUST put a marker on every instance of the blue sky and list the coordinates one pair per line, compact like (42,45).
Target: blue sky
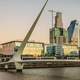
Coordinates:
(17,16)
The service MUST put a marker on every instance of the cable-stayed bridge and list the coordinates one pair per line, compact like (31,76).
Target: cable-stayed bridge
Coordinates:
(17,56)
(18,64)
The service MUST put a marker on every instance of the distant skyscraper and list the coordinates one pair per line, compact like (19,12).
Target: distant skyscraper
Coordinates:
(72,31)
(58,20)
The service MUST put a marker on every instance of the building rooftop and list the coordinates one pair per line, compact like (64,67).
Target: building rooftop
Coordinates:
(20,41)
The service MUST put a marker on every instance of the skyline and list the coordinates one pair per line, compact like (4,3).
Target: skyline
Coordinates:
(17,16)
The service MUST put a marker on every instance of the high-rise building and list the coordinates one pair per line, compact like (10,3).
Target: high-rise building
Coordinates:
(58,34)
(58,20)
(73,32)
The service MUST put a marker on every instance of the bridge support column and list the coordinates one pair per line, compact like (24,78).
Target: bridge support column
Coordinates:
(18,66)
(6,67)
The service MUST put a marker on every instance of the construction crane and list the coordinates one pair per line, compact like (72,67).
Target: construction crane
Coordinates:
(52,11)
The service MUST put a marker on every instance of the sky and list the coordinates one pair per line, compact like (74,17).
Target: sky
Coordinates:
(17,16)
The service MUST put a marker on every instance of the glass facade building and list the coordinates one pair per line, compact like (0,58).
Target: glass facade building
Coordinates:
(72,31)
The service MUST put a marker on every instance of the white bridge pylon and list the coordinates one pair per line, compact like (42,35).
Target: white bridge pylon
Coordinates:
(17,56)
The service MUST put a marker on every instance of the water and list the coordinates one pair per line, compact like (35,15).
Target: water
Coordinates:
(72,73)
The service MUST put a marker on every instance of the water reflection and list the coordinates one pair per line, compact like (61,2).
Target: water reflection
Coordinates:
(43,74)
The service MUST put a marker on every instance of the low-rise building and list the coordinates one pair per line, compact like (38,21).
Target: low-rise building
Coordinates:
(55,50)
(31,48)
(60,51)
(70,49)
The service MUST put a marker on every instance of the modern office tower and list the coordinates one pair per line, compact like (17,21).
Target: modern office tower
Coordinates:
(74,34)
(72,31)
(58,20)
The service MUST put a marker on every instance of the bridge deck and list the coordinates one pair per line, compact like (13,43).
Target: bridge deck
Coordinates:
(42,63)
